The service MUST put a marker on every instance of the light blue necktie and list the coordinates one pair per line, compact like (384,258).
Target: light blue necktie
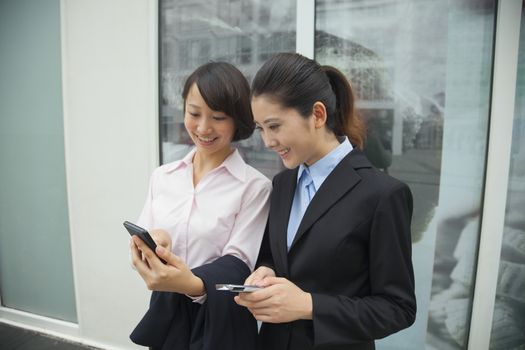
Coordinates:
(304,193)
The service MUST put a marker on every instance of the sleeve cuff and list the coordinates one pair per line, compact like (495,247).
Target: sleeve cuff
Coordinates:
(200,299)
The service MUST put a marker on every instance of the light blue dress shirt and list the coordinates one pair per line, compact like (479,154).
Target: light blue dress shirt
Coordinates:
(309,180)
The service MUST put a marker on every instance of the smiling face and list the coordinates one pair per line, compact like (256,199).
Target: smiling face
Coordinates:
(285,131)
(211,131)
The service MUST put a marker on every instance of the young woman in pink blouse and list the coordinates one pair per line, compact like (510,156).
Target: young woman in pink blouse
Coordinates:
(207,214)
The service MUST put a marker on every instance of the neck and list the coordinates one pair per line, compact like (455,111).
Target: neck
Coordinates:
(203,162)
(326,145)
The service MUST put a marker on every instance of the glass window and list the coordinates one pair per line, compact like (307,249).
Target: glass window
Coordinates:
(36,273)
(242,32)
(508,323)
(421,70)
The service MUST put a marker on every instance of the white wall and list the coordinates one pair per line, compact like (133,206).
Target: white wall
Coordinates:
(109,52)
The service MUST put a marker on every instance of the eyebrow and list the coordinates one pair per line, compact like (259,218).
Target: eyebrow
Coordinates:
(271,120)
(192,105)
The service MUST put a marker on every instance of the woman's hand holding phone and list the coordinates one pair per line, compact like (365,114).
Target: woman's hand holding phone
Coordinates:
(280,301)
(162,238)
(143,234)
(158,266)
(174,276)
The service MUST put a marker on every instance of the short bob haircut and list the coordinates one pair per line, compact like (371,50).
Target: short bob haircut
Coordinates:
(224,89)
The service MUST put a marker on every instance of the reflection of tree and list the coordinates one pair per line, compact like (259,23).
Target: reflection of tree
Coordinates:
(370,75)
(366,70)
(398,120)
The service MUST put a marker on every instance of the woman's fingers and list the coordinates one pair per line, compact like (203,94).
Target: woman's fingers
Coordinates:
(170,258)
(147,256)
(161,237)
(259,298)
(257,277)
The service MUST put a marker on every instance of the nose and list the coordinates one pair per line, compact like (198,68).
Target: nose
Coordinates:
(204,126)
(269,142)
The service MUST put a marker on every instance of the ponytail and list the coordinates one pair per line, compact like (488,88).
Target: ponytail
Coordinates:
(346,120)
(298,82)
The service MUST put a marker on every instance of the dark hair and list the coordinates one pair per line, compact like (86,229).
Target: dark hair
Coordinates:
(224,88)
(297,82)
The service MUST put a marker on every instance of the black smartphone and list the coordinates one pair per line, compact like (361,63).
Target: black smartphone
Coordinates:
(143,234)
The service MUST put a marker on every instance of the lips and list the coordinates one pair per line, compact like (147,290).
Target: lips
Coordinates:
(282,153)
(206,140)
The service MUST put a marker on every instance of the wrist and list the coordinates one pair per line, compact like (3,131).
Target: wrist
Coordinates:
(307,307)
(196,287)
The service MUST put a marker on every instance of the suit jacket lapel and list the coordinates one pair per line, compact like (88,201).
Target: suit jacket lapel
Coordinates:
(282,215)
(341,180)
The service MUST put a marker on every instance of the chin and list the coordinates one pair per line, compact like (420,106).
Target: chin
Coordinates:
(290,164)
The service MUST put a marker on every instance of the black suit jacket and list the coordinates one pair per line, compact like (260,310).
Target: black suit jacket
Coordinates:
(174,322)
(352,252)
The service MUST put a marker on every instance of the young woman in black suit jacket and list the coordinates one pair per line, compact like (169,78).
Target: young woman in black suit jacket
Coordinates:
(336,256)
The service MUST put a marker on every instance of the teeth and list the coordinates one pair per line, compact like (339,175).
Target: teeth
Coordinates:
(205,139)
(283,152)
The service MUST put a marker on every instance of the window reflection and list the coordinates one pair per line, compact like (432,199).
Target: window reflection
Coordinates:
(242,32)
(421,73)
